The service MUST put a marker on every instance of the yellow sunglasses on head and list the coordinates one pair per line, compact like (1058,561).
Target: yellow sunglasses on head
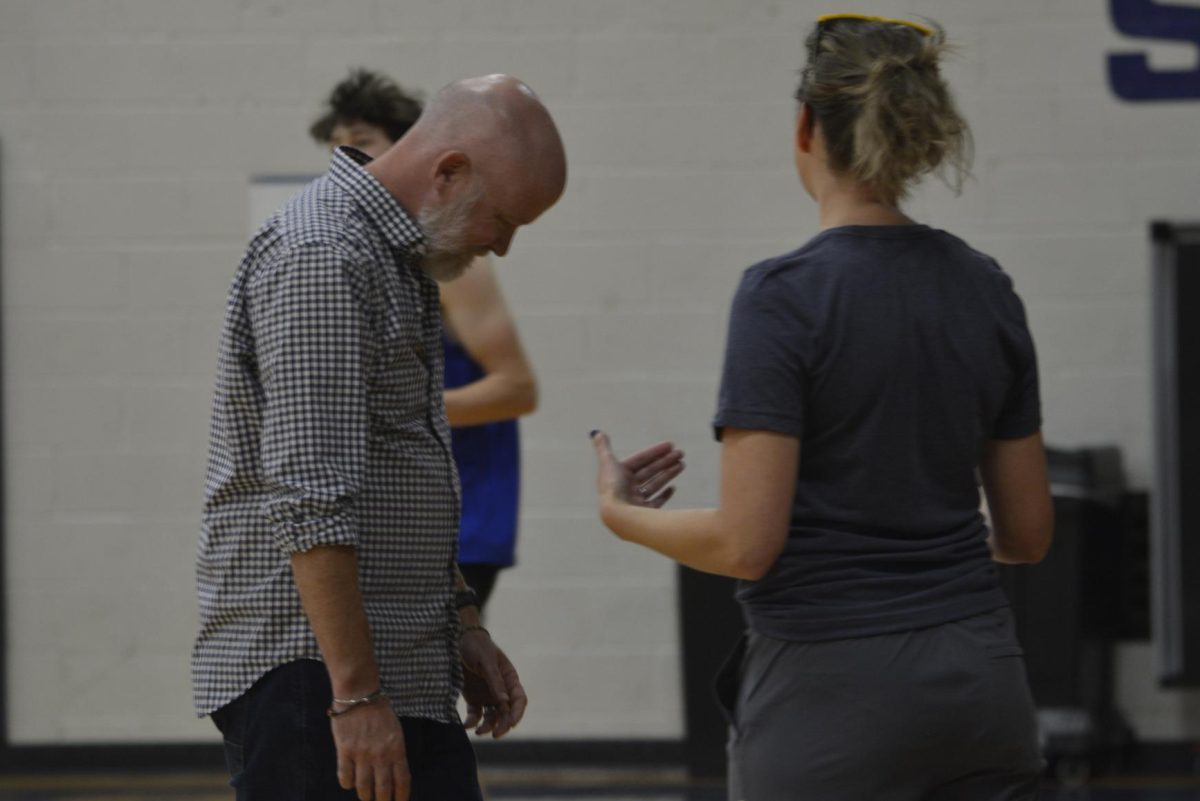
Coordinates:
(926,30)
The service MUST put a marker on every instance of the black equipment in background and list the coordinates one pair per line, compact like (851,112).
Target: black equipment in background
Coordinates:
(710,624)
(1175,513)
(1069,611)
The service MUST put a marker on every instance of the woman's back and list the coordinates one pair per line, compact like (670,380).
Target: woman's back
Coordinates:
(894,353)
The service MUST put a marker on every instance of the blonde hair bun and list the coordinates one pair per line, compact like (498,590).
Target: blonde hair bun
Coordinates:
(888,117)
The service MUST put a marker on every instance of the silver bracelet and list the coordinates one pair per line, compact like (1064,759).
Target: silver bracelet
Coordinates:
(351,704)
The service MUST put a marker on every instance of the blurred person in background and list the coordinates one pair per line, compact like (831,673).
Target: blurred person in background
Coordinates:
(335,637)
(489,382)
(867,375)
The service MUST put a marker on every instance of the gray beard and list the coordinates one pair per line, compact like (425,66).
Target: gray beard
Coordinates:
(443,266)
(445,228)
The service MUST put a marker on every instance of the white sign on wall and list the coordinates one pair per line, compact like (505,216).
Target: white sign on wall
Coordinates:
(268,193)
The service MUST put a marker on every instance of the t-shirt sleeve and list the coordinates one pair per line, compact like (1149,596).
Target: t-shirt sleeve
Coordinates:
(763,379)
(1021,413)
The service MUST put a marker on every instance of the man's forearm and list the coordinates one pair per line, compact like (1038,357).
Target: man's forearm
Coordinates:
(327,580)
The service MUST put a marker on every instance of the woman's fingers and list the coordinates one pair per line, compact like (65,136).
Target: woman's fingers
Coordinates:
(647,456)
(658,502)
(649,488)
(667,461)
(602,444)
(640,477)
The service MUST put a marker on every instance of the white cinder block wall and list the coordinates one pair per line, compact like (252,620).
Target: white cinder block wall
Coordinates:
(130,130)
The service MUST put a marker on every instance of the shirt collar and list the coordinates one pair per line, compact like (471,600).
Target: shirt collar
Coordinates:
(398,228)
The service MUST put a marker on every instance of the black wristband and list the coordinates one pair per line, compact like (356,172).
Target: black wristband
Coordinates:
(465,598)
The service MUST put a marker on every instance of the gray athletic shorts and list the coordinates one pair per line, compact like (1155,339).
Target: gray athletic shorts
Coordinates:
(936,714)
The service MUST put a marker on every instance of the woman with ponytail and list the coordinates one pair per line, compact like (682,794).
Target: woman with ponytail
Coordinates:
(870,376)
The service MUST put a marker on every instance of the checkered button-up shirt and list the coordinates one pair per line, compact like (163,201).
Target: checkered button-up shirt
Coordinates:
(328,428)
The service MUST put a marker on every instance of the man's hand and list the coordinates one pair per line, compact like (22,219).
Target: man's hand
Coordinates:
(639,479)
(370,753)
(495,698)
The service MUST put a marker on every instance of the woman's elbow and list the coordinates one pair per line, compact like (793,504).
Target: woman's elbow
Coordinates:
(1028,547)
(1042,536)
(754,563)
(1024,555)
(750,572)
(1038,549)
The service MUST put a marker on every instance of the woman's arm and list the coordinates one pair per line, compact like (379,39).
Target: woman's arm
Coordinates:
(475,313)
(1018,498)
(741,538)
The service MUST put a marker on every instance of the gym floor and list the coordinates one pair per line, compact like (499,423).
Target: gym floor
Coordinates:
(523,784)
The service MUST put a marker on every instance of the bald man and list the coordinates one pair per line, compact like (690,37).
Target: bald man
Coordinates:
(335,630)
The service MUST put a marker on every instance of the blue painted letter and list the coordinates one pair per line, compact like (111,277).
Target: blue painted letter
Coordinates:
(1130,75)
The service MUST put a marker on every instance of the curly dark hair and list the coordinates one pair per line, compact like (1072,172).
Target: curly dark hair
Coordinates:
(369,97)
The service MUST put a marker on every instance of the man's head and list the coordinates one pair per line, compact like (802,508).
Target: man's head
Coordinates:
(483,159)
(368,111)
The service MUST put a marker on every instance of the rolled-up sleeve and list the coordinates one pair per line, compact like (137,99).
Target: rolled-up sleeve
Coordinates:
(309,318)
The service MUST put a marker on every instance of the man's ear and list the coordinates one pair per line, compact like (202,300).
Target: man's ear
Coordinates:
(451,168)
(804,129)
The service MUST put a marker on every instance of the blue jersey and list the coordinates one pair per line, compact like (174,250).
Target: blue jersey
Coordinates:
(488,457)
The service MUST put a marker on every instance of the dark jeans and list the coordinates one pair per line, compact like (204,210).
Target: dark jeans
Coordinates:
(279,746)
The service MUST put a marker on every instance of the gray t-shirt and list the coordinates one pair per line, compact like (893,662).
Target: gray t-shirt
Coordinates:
(893,353)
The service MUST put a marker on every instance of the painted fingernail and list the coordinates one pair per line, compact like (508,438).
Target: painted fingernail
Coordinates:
(592,434)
